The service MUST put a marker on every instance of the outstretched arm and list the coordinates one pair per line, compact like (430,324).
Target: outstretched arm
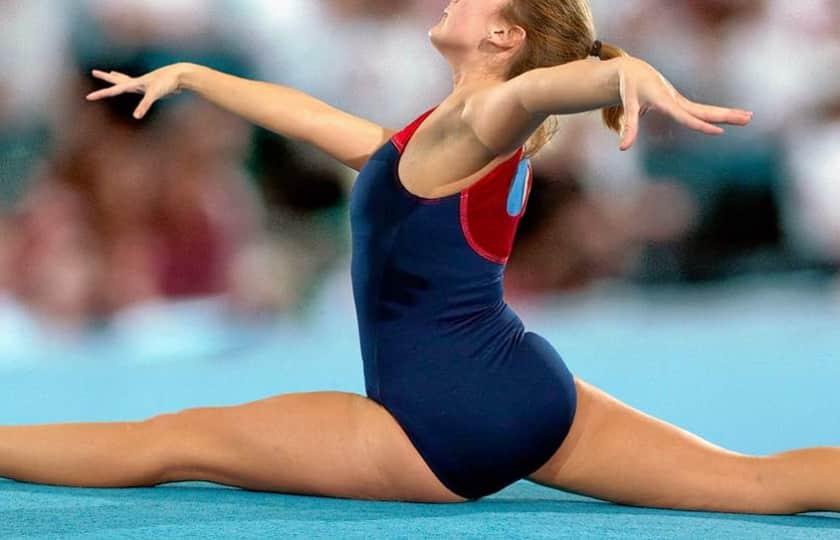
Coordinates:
(584,85)
(284,110)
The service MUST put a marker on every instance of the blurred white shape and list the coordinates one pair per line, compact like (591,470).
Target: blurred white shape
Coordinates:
(384,69)
(33,43)
(810,16)
(778,74)
(20,338)
(171,331)
(813,210)
(609,15)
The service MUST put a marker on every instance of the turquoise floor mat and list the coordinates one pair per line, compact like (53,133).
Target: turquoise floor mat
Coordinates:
(754,368)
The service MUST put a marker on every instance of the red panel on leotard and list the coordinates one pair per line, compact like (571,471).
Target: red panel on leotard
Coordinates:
(487,226)
(401,139)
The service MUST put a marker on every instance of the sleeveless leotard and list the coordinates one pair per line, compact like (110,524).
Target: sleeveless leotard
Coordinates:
(484,402)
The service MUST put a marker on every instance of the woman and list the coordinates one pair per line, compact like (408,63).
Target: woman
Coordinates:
(462,401)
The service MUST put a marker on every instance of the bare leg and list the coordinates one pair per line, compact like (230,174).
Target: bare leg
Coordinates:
(94,455)
(617,453)
(321,443)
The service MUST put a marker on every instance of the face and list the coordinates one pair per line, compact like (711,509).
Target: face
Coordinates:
(465,24)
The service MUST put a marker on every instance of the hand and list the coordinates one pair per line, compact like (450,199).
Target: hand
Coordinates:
(155,85)
(643,89)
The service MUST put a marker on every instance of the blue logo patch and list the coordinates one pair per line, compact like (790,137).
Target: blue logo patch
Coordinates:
(518,189)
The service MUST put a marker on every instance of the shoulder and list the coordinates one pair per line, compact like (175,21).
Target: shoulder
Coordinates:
(441,126)
(497,118)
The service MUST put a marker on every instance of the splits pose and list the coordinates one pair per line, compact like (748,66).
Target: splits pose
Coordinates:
(461,399)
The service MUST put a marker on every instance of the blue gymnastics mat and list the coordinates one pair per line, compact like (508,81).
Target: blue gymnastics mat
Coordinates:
(751,366)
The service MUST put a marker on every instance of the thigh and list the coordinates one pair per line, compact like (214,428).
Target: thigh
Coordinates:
(617,453)
(321,443)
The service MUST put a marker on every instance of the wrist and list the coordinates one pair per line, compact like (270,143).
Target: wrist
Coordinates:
(618,72)
(187,75)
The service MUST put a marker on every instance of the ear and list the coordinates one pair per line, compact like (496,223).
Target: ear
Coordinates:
(507,37)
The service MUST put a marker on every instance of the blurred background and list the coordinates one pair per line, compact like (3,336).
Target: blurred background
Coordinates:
(192,235)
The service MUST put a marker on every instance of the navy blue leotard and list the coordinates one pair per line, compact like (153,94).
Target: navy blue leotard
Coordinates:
(485,402)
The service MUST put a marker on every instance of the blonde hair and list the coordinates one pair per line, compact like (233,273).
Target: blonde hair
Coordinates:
(558,32)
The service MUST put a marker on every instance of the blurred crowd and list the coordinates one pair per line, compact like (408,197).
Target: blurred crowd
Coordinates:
(100,213)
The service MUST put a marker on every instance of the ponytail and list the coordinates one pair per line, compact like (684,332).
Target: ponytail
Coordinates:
(559,32)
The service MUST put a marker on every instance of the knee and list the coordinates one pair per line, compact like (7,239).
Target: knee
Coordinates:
(174,424)
(164,424)
(169,440)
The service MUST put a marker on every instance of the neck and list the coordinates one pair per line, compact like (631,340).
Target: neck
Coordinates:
(469,75)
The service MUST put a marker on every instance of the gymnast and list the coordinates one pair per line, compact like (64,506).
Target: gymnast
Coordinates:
(461,400)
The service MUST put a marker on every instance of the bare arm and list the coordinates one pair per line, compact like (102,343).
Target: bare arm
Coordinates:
(289,112)
(584,85)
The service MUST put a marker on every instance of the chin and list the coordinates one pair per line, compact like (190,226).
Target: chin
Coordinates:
(434,32)
(435,37)
(440,38)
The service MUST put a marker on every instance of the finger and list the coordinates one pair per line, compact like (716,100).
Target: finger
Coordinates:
(718,115)
(108,92)
(687,119)
(117,78)
(121,77)
(109,77)
(144,106)
(631,124)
